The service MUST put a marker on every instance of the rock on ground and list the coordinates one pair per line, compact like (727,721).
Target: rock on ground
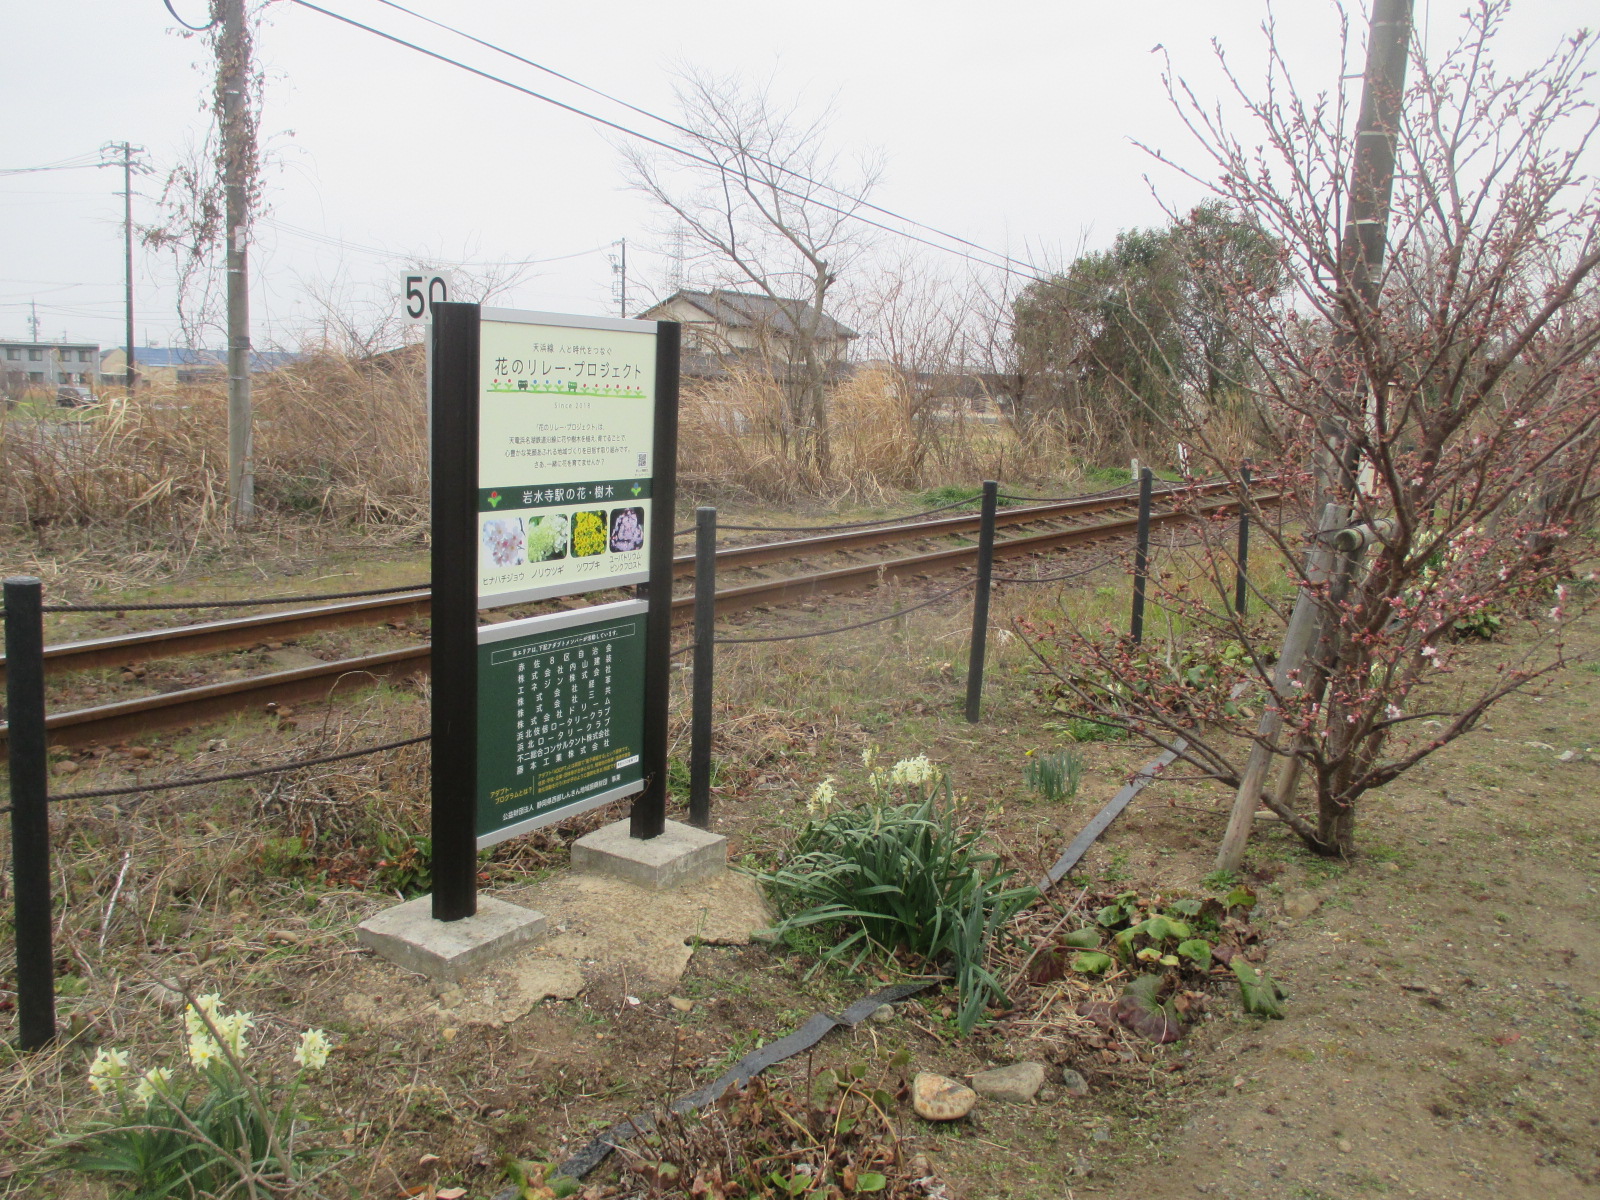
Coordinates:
(937,1098)
(1018,1083)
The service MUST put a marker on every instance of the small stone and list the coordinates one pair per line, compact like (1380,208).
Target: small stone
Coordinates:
(449,996)
(883,1013)
(1391,866)
(1075,1084)
(65,767)
(1047,1096)
(680,1003)
(1017,1084)
(1566,756)
(936,1098)
(1301,905)
(1102,1134)
(1344,1146)
(448,1033)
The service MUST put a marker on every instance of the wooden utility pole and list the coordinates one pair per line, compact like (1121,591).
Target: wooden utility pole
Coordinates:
(238,180)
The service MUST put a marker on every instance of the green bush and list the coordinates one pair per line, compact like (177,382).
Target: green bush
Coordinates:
(904,876)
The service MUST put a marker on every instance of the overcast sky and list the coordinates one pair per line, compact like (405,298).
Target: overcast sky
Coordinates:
(1011,123)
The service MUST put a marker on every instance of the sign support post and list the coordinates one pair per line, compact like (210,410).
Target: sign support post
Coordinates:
(648,818)
(455,610)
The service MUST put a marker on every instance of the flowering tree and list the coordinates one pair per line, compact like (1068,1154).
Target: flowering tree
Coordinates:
(1457,390)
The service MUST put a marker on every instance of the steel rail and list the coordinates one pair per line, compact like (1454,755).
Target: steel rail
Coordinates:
(236,633)
(190,706)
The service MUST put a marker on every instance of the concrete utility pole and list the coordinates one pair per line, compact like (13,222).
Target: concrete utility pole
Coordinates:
(1366,229)
(238,172)
(129,375)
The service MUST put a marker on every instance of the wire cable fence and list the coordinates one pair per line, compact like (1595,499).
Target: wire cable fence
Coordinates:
(168,785)
(179,605)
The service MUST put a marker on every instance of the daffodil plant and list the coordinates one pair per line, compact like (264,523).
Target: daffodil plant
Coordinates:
(223,1126)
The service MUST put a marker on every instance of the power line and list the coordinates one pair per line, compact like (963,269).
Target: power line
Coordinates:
(667,146)
(185,24)
(684,129)
(329,239)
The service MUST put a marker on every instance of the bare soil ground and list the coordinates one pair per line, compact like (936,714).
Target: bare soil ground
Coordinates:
(1440,1038)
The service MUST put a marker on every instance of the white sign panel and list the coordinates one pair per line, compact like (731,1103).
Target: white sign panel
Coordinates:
(566,418)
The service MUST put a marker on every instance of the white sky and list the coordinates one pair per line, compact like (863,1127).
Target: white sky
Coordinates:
(1010,123)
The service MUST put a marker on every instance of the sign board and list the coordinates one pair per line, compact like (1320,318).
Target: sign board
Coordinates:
(560,716)
(565,425)
(553,444)
(421,290)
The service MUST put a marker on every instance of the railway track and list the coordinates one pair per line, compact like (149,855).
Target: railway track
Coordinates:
(1065,524)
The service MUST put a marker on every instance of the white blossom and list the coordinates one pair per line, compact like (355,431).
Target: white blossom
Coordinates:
(108,1069)
(913,772)
(822,798)
(312,1052)
(152,1084)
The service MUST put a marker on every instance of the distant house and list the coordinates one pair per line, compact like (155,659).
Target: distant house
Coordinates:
(721,328)
(44,366)
(178,364)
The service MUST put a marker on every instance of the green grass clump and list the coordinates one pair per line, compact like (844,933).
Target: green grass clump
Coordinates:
(885,877)
(1056,776)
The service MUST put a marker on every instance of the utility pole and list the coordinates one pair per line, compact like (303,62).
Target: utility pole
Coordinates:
(33,320)
(238,174)
(1366,228)
(129,376)
(624,278)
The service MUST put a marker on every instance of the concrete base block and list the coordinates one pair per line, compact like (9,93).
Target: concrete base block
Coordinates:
(408,935)
(682,854)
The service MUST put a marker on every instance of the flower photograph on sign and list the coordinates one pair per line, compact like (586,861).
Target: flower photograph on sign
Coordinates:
(627,529)
(588,534)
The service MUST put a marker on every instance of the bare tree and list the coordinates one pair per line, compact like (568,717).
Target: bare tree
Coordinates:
(766,205)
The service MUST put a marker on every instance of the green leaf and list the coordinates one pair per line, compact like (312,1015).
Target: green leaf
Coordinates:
(1187,908)
(1240,897)
(1197,951)
(1111,914)
(871,1181)
(1260,993)
(1091,962)
(1086,938)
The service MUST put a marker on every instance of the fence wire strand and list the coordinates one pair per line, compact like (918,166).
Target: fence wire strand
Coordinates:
(927,512)
(168,785)
(172,605)
(795,637)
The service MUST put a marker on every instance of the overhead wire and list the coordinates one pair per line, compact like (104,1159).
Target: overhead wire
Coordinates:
(185,24)
(684,129)
(658,142)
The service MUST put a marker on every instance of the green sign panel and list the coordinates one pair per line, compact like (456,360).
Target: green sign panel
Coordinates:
(560,716)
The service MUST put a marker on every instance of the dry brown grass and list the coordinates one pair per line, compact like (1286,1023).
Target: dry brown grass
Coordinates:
(334,438)
(885,439)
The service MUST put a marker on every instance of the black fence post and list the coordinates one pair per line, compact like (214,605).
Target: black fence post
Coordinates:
(1241,580)
(980,600)
(30,811)
(1141,558)
(705,659)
